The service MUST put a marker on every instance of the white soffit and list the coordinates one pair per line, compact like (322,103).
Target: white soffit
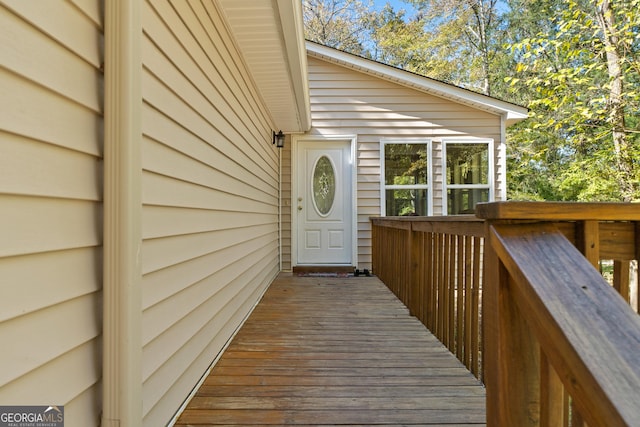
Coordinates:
(269,34)
(512,112)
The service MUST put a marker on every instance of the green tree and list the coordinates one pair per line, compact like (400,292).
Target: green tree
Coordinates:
(581,73)
(342,24)
(574,63)
(396,40)
(468,34)
(415,44)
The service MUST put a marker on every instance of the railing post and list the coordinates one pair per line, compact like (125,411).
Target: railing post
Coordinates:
(511,352)
(375,248)
(407,293)
(589,241)
(430,291)
(553,397)
(417,272)
(491,333)
(622,278)
(477,344)
(460,296)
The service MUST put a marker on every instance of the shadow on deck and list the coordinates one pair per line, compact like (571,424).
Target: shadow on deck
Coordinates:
(335,351)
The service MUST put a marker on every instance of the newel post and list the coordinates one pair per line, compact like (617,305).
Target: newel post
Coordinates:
(511,352)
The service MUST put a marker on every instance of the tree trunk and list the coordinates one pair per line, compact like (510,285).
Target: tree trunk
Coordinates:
(482,16)
(624,162)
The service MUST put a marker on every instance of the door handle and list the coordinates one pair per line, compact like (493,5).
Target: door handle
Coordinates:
(299,208)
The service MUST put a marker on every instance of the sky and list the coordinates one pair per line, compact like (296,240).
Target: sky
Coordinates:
(397,5)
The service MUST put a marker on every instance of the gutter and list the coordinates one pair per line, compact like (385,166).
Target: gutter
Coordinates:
(122,302)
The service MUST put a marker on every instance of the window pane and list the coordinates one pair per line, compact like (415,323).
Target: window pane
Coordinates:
(405,164)
(463,200)
(406,202)
(324,185)
(467,164)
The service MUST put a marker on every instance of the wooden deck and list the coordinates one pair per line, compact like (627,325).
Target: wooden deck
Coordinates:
(335,351)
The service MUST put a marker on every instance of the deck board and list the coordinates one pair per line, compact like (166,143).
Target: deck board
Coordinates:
(335,351)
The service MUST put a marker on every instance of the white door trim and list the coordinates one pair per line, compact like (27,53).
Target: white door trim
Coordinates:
(294,191)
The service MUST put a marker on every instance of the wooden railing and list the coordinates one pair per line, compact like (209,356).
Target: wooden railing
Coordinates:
(434,266)
(558,346)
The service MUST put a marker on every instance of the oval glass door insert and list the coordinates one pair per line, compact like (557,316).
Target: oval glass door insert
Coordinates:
(324,185)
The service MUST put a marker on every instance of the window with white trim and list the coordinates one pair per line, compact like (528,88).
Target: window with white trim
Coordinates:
(468,168)
(405,177)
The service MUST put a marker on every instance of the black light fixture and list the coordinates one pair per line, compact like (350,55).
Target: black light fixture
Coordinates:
(278,139)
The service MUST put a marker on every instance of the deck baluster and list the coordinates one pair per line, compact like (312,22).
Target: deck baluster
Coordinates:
(459,287)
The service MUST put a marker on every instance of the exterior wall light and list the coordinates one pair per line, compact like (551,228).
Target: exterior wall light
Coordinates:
(278,139)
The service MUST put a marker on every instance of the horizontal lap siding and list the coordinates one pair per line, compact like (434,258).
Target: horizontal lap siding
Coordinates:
(347,102)
(285,209)
(51,204)
(210,198)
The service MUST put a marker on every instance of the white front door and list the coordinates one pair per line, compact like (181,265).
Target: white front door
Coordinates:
(323,203)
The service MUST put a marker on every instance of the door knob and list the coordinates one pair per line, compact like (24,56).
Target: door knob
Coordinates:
(299,208)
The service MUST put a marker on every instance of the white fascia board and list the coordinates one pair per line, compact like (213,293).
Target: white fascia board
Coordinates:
(293,35)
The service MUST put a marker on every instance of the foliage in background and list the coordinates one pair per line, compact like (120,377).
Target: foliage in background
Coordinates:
(342,24)
(581,73)
(470,33)
(574,63)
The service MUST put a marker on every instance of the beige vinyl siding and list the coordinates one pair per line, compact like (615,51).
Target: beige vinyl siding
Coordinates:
(50,206)
(210,198)
(346,102)
(285,208)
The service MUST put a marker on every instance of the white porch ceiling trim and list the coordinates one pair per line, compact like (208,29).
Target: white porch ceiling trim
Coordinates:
(270,36)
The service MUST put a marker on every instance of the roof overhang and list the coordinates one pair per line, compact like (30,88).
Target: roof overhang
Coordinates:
(270,37)
(513,113)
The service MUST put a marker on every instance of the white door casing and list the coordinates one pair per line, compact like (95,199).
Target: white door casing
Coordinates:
(323,202)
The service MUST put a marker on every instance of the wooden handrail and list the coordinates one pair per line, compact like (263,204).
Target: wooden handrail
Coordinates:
(559,211)
(584,329)
(537,367)
(599,231)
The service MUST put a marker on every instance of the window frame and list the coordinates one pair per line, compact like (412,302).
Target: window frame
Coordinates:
(491,157)
(428,186)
